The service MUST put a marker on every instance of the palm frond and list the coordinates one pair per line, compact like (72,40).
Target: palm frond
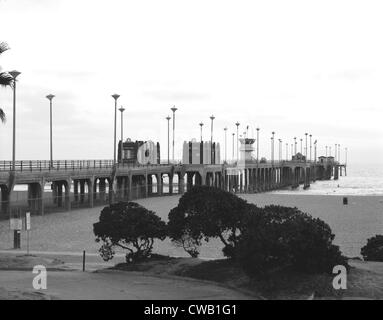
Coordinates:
(2,116)
(3,47)
(5,79)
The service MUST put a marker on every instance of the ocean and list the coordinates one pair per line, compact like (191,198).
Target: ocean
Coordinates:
(361,180)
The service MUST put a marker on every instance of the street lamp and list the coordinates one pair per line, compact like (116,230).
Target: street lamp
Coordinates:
(237,124)
(212,161)
(225,129)
(326,151)
(257,147)
(14,75)
(272,147)
(115,97)
(174,109)
(306,134)
(50,98)
(311,146)
(339,153)
(315,151)
(122,109)
(168,118)
(201,125)
(295,145)
(280,150)
(233,145)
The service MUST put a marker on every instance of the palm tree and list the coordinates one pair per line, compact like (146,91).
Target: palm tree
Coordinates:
(5,78)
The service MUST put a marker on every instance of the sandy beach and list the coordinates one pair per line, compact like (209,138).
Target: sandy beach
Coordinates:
(72,231)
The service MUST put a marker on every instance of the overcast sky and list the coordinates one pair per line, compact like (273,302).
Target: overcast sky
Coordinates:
(285,66)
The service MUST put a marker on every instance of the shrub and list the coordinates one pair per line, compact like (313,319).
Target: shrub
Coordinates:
(203,213)
(278,237)
(373,250)
(128,226)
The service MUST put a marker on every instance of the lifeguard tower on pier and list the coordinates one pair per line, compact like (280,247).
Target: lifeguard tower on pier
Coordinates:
(246,150)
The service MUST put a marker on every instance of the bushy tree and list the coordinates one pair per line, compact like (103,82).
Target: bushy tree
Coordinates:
(203,213)
(277,237)
(373,250)
(129,226)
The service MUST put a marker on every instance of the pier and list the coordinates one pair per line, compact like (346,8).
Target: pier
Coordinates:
(89,183)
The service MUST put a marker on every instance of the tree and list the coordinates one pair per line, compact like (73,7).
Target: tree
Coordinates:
(277,237)
(5,78)
(373,250)
(203,213)
(129,226)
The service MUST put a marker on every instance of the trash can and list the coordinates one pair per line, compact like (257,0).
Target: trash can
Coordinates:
(345,201)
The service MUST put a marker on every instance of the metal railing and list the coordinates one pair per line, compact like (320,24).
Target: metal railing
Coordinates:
(70,165)
(63,165)
(56,165)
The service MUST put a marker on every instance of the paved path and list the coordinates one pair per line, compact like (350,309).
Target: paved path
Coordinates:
(117,285)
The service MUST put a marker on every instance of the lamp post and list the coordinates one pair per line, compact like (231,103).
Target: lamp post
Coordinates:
(225,129)
(50,98)
(272,147)
(115,97)
(339,153)
(257,147)
(168,119)
(174,109)
(201,125)
(122,109)
(14,75)
(315,151)
(233,145)
(292,151)
(329,150)
(237,124)
(326,151)
(306,134)
(311,146)
(211,140)
(295,145)
(280,150)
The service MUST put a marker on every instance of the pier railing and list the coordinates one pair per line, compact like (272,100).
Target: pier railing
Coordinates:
(63,165)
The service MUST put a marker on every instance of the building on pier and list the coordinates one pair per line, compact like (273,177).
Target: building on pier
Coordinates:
(298,157)
(201,152)
(139,152)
